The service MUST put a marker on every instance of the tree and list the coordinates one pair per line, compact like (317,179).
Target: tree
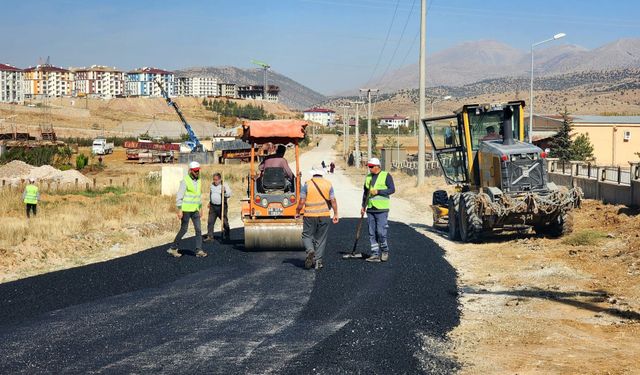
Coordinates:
(582,149)
(561,142)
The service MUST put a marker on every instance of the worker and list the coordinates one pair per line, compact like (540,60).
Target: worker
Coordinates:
(491,134)
(215,207)
(378,186)
(277,161)
(332,167)
(318,199)
(31,197)
(189,203)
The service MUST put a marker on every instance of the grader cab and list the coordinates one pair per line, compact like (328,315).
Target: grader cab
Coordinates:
(501,181)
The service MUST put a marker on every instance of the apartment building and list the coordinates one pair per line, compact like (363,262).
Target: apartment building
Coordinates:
(200,87)
(98,81)
(141,82)
(394,122)
(257,92)
(321,116)
(47,80)
(11,84)
(229,90)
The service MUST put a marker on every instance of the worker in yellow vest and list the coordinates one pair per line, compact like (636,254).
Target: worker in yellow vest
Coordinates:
(31,197)
(318,199)
(189,203)
(378,186)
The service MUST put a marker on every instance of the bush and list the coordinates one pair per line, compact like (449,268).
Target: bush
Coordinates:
(584,238)
(81,161)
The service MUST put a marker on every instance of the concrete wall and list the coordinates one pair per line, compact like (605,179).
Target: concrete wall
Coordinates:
(605,191)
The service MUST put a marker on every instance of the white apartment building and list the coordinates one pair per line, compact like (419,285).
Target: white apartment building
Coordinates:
(141,82)
(47,80)
(11,84)
(98,81)
(229,90)
(394,121)
(200,87)
(322,116)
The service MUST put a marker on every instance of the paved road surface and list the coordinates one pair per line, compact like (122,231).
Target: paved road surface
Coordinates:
(237,312)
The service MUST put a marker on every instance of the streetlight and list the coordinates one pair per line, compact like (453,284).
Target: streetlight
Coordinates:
(434,101)
(557,36)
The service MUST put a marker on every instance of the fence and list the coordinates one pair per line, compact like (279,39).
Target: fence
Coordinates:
(616,185)
(409,167)
(66,186)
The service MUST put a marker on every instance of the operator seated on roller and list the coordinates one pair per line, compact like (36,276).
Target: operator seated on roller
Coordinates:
(491,134)
(277,161)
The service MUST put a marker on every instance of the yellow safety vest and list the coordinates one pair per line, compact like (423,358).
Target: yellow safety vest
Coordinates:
(31,194)
(315,205)
(192,200)
(378,201)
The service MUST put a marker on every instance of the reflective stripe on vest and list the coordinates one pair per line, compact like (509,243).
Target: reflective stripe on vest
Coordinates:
(31,194)
(192,200)
(315,205)
(378,201)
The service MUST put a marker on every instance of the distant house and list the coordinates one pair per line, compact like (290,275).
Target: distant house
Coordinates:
(140,82)
(98,81)
(322,116)
(394,121)
(615,139)
(11,84)
(47,80)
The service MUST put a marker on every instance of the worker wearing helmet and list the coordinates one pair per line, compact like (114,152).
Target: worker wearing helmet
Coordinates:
(378,186)
(189,203)
(30,197)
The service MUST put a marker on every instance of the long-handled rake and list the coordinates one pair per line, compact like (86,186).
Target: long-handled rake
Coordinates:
(353,254)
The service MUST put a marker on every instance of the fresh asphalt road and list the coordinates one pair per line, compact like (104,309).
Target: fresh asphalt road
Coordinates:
(236,312)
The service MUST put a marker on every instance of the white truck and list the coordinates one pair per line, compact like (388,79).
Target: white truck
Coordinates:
(101,147)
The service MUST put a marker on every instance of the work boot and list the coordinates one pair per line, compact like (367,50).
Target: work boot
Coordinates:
(174,251)
(207,238)
(374,259)
(308,262)
(201,253)
(319,264)
(385,256)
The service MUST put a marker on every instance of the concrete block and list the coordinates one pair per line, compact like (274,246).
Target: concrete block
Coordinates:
(171,177)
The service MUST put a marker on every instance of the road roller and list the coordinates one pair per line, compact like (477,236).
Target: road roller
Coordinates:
(269,211)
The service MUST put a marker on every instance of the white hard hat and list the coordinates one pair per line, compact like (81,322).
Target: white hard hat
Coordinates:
(373,161)
(194,165)
(32,180)
(315,171)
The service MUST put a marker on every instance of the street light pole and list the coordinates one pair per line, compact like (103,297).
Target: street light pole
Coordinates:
(368,91)
(357,134)
(345,130)
(530,135)
(423,79)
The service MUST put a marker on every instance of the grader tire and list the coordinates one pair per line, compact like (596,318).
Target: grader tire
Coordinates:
(470,221)
(561,226)
(454,204)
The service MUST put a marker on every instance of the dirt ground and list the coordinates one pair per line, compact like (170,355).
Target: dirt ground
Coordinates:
(536,305)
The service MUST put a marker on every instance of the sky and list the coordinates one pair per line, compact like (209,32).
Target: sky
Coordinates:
(328,45)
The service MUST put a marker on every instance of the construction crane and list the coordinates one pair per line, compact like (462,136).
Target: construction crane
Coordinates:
(265,67)
(193,142)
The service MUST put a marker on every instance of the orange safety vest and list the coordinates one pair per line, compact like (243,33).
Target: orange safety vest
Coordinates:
(315,205)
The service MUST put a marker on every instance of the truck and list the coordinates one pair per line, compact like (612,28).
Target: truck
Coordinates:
(100,146)
(147,151)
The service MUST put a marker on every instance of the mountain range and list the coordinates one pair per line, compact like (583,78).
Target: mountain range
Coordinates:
(292,93)
(486,59)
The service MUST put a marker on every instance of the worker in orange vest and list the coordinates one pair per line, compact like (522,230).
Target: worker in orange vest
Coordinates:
(318,199)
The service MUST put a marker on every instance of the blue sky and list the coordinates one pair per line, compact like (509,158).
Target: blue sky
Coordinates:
(328,45)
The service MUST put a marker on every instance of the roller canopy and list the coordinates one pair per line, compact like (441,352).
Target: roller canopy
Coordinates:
(277,131)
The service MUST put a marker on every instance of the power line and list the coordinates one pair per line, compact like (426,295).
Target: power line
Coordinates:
(386,39)
(399,42)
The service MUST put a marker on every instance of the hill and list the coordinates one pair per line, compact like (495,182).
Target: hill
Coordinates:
(487,59)
(292,93)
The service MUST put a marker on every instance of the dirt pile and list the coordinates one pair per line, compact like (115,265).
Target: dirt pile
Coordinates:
(16,171)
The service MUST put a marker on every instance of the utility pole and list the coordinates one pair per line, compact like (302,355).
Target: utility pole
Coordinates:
(345,130)
(368,91)
(357,133)
(423,76)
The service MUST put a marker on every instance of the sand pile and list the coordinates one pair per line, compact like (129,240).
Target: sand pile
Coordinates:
(16,171)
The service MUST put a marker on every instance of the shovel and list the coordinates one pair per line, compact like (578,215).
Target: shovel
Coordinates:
(353,254)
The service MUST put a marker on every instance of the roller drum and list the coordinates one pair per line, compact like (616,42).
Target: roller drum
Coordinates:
(273,235)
